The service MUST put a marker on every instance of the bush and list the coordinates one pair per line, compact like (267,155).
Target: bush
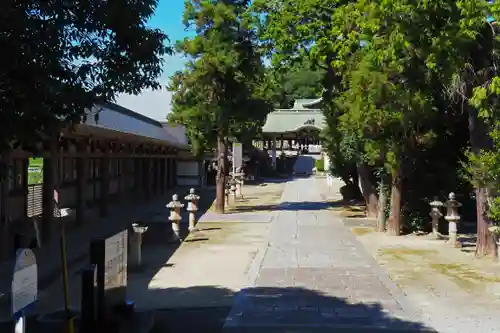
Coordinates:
(320,165)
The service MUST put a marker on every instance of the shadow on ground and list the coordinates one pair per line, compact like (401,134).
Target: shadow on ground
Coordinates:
(296,206)
(277,310)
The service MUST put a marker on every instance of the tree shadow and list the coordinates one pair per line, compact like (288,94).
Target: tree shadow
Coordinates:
(273,309)
(288,206)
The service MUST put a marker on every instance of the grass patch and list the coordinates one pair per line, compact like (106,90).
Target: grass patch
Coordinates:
(463,276)
(400,253)
(361,231)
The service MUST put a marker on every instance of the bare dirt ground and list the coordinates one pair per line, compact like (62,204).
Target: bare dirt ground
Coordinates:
(455,291)
(256,198)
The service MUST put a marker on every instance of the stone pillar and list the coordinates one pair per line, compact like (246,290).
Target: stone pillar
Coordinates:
(136,244)
(104,171)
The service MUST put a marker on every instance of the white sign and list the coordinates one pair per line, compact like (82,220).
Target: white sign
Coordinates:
(24,281)
(237,155)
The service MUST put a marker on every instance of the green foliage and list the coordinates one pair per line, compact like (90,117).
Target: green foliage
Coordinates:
(320,164)
(393,73)
(297,81)
(64,57)
(224,91)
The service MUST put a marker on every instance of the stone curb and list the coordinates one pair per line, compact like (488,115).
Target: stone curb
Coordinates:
(253,271)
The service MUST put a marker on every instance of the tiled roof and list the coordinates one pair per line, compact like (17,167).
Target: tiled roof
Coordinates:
(292,121)
(116,118)
(305,113)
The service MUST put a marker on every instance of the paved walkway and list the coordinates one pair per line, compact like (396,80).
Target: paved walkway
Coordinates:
(316,277)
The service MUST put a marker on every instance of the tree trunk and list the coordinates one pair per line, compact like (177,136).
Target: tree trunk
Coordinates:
(479,139)
(382,202)
(368,189)
(220,178)
(486,243)
(394,222)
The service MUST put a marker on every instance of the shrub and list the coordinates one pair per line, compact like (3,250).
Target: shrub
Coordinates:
(320,165)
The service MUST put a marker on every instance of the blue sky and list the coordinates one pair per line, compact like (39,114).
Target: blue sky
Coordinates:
(155,104)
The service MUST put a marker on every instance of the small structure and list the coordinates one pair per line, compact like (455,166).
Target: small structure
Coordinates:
(192,208)
(435,214)
(453,218)
(138,229)
(175,216)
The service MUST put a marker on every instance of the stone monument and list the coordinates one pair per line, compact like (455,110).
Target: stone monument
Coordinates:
(24,287)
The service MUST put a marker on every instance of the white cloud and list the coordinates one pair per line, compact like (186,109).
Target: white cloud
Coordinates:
(154,104)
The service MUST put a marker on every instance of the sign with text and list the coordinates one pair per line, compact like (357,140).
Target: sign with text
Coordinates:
(24,281)
(110,256)
(35,171)
(237,155)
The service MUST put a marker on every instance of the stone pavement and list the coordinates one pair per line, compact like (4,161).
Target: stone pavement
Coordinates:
(316,277)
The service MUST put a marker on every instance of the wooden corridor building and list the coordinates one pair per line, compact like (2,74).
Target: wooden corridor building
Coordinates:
(124,158)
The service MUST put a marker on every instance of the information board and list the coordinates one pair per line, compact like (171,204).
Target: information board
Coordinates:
(24,281)
(35,171)
(237,155)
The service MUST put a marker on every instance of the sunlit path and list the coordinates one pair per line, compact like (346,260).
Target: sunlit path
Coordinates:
(316,276)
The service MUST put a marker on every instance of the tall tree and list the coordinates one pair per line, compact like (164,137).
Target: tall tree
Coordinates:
(64,57)
(301,80)
(222,93)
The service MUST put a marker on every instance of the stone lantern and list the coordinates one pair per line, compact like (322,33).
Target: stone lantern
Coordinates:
(232,188)
(227,192)
(138,229)
(453,218)
(435,215)
(175,216)
(192,208)
(239,178)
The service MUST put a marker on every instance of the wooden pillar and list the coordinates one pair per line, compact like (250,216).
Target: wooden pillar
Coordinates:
(145,176)
(174,172)
(5,239)
(164,185)
(104,171)
(169,173)
(50,180)
(157,170)
(82,172)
